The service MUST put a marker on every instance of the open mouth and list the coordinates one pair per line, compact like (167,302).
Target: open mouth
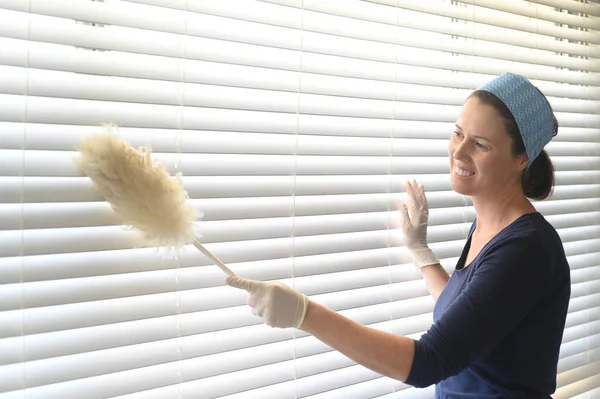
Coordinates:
(462,172)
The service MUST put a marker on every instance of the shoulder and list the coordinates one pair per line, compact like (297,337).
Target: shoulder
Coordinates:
(530,233)
(528,226)
(529,247)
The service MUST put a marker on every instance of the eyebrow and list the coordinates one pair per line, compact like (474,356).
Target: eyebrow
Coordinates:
(477,137)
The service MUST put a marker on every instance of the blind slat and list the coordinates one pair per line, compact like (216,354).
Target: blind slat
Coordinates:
(55,30)
(326,70)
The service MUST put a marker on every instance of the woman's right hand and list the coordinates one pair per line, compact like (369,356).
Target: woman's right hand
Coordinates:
(415,214)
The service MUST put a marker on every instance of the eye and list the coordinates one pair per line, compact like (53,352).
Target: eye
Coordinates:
(479,145)
(458,134)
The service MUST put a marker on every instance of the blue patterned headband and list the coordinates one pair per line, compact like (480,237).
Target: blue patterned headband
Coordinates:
(529,108)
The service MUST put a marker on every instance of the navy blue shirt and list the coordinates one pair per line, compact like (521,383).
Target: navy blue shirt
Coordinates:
(499,322)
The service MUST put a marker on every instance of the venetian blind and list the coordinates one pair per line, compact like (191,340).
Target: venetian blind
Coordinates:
(295,124)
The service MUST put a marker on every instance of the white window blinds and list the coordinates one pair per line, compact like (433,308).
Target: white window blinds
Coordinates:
(295,124)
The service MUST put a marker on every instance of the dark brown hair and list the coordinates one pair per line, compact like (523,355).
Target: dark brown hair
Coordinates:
(538,180)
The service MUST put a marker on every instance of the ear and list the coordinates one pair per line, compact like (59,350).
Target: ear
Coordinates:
(523,161)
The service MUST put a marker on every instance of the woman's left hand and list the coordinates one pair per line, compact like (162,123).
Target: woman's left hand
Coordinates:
(276,303)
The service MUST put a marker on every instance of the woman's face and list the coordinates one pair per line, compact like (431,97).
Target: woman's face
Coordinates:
(480,153)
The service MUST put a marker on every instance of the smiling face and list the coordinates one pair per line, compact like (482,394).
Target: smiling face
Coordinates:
(480,152)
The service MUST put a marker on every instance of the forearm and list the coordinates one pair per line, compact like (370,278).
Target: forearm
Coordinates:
(436,278)
(434,274)
(385,353)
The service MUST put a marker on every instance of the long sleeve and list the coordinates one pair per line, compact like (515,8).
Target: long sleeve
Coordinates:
(507,283)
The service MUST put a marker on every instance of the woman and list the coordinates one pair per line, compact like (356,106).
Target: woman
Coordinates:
(499,320)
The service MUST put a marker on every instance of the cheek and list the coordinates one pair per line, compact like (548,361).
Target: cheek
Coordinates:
(495,168)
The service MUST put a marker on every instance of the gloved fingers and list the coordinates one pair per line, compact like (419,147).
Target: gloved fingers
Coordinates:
(424,205)
(251,301)
(408,187)
(406,223)
(260,309)
(268,318)
(238,282)
(414,193)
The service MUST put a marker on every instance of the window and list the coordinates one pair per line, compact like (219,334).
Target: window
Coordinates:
(295,124)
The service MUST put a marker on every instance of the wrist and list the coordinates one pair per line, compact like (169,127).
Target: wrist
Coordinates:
(417,247)
(305,322)
(303,305)
(423,256)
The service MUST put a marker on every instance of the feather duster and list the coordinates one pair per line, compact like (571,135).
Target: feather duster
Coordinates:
(141,192)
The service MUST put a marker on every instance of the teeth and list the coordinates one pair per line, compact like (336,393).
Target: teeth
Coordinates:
(462,172)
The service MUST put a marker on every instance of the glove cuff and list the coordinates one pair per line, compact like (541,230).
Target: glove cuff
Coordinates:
(301,313)
(423,257)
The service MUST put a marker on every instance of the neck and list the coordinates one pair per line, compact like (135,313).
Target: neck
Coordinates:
(495,213)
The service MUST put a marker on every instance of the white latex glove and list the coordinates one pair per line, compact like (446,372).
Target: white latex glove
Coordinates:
(276,303)
(414,225)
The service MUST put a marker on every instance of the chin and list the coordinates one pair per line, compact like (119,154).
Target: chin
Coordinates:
(460,187)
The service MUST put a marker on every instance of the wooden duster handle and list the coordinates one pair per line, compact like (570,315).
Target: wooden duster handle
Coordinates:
(212,257)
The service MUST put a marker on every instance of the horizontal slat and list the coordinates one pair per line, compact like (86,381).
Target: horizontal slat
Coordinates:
(583,261)
(580,346)
(493,17)
(446,207)
(579,331)
(118,311)
(574,364)
(313,88)
(587,273)
(585,288)
(56,30)
(195,371)
(558,207)
(538,11)
(376,386)
(321,74)
(67,291)
(64,291)
(56,215)
(582,310)
(579,234)
(449,208)
(289,390)
(589,8)
(65,368)
(586,388)
(579,373)
(125,335)
(195,368)
(78,265)
(367,10)
(79,189)
(61,111)
(368,232)
(584,300)
(376,23)
(41,137)
(426,159)
(87,214)
(207,300)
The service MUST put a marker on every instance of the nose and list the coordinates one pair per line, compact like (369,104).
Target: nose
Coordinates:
(458,150)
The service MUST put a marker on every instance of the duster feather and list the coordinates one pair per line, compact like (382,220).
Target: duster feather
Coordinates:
(142,193)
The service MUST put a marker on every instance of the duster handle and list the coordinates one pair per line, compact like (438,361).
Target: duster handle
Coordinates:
(212,257)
